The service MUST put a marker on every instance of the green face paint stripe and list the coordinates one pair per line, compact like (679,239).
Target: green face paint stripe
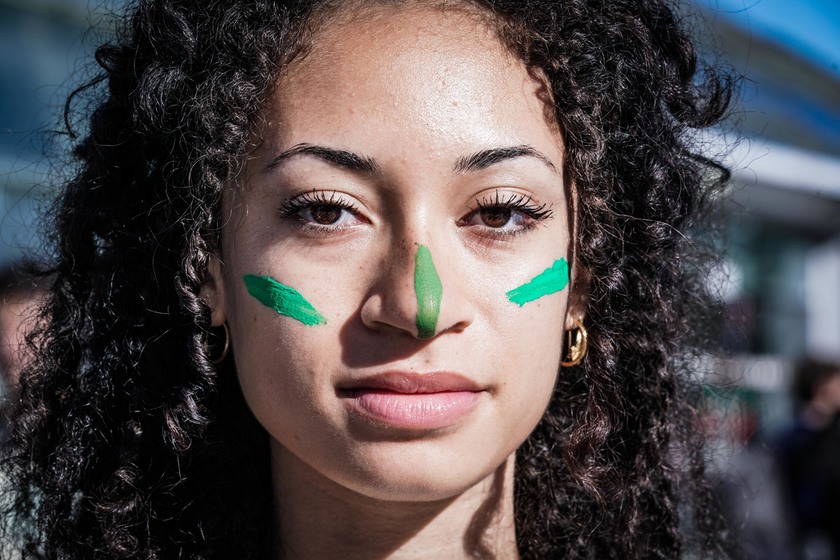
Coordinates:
(549,281)
(283,299)
(429,291)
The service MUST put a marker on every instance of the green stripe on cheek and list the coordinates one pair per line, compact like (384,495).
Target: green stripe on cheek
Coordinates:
(282,299)
(429,292)
(549,281)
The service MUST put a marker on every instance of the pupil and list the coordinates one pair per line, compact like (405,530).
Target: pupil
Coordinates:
(325,215)
(495,217)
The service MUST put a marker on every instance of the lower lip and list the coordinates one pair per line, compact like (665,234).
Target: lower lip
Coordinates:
(419,411)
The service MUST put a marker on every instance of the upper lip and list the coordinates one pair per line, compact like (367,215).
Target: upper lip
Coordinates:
(412,382)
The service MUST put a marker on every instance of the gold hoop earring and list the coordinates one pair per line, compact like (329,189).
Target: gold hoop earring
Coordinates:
(577,340)
(225,350)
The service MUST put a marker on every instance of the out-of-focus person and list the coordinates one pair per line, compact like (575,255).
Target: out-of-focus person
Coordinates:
(751,489)
(809,453)
(22,290)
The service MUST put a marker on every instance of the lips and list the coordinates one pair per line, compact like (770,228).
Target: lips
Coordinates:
(412,401)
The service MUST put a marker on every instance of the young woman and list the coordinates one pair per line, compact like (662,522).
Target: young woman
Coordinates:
(375,279)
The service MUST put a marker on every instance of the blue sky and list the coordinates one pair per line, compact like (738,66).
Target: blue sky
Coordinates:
(810,27)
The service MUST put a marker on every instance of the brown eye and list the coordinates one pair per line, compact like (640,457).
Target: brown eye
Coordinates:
(495,216)
(325,214)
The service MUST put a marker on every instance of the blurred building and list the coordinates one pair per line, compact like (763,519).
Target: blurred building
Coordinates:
(782,277)
(41,42)
(785,201)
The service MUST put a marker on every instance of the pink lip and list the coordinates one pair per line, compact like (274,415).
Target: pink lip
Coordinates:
(412,401)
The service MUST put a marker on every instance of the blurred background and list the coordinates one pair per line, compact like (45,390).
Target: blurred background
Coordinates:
(780,278)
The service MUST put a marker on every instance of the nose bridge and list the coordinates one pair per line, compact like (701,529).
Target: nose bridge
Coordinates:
(429,292)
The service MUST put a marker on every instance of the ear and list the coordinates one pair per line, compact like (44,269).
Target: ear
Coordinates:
(581,280)
(579,295)
(213,291)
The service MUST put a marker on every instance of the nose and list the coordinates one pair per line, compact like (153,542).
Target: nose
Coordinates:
(418,293)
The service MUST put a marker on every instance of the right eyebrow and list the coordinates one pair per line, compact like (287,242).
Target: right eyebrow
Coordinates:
(340,158)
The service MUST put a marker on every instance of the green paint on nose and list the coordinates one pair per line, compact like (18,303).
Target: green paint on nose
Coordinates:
(549,281)
(282,299)
(429,291)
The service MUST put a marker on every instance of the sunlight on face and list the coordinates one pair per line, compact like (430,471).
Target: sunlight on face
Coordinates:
(406,141)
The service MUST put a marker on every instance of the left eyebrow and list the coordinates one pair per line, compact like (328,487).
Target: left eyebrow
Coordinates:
(486,158)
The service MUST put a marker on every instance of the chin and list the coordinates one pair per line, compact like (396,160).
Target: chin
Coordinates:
(421,475)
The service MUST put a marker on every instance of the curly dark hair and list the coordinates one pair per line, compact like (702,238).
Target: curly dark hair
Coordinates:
(126,435)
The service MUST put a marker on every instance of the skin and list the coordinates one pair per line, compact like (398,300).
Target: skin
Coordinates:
(825,404)
(416,91)
(16,316)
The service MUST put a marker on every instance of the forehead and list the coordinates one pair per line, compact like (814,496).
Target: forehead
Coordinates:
(434,67)
(443,28)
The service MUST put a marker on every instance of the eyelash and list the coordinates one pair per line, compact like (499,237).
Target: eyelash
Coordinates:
(292,207)
(514,202)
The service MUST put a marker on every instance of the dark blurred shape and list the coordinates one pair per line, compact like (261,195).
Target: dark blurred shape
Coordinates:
(749,482)
(809,458)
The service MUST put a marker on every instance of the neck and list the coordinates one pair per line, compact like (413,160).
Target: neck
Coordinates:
(318,518)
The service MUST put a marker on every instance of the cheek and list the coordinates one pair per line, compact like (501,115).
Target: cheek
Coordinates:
(529,313)
(275,358)
(532,346)
(536,338)
(284,377)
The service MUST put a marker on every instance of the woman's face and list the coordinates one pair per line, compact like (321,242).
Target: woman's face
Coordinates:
(406,179)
